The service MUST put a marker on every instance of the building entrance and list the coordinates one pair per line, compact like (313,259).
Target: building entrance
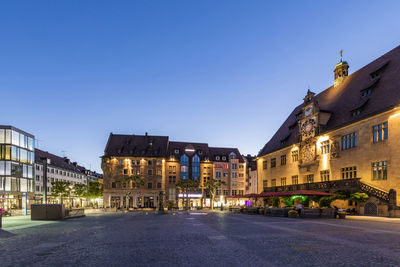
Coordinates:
(148,202)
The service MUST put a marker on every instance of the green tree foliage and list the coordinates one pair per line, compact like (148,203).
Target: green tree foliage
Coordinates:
(288,201)
(61,189)
(275,202)
(94,190)
(342,194)
(325,202)
(359,197)
(130,183)
(185,186)
(213,185)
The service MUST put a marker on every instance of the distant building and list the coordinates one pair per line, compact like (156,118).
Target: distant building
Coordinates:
(161,164)
(344,138)
(251,177)
(16,167)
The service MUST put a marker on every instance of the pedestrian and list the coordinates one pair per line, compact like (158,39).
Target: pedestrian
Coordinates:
(336,212)
(299,208)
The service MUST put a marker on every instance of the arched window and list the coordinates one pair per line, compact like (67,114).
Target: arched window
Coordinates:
(184,167)
(196,167)
(232,156)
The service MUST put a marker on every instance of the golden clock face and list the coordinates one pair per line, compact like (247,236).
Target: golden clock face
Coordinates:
(308,127)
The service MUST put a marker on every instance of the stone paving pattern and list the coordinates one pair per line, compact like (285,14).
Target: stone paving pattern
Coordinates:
(196,239)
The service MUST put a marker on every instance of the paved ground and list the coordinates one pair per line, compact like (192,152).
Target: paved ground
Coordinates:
(214,239)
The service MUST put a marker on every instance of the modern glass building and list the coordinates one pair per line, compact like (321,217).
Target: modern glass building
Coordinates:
(16,167)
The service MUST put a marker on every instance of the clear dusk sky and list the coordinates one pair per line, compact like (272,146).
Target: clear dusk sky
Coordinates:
(223,72)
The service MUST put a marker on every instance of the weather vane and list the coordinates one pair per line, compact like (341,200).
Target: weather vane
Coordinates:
(341,55)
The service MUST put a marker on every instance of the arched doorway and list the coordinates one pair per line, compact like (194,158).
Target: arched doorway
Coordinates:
(370,209)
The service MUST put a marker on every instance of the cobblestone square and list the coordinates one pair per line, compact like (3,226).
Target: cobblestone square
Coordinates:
(202,239)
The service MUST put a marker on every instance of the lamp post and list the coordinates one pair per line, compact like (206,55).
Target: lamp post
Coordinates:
(45,162)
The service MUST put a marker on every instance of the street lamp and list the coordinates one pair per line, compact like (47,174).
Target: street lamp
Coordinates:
(45,162)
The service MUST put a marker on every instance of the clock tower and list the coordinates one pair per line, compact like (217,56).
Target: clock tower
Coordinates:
(308,126)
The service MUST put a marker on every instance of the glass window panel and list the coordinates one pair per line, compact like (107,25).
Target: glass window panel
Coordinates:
(8,136)
(15,138)
(2,136)
(24,155)
(30,144)
(14,153)
(8,168)
(22,140)
(2,168)
(30,171)
(24,185)
(7,184)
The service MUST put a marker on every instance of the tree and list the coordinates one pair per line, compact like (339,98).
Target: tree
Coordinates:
(359,197)
(185,186)
(79,190)
(213,185)
(94,190)
(61,189)
(129,183)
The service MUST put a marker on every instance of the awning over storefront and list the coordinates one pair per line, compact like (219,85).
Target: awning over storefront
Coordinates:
(294,193)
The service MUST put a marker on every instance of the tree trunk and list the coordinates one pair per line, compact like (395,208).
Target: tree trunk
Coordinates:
(212,201)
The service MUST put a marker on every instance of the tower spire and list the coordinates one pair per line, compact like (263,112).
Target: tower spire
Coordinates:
(341,55)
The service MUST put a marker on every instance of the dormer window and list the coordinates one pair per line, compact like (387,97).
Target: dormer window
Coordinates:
(217,157)
(356,112)
(176,151)
(119,151)
(224,158)
(366,92)
(200,152)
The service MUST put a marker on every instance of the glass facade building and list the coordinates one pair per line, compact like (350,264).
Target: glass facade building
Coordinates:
(16,166)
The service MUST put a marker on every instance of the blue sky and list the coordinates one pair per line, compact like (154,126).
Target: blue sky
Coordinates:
(223,72)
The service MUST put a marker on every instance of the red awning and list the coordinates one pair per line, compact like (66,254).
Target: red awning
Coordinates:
(293,193)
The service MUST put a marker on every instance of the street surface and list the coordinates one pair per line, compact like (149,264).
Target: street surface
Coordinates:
(199,239)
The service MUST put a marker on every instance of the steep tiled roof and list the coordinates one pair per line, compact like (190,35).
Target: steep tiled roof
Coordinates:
(200,148)
(340,101)
(136,145)
(56,161)
(223,151)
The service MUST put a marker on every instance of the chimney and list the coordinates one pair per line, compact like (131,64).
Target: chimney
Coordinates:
(67,160)
(146,133)
(75,163)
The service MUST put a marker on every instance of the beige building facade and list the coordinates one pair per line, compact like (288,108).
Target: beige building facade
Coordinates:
(349,133)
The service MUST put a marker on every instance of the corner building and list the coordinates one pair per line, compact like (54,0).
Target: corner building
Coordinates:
(344,138)
(161,164)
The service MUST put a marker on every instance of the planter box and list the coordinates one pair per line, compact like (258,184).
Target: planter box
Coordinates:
(47,211)
(327,213)
(310,213)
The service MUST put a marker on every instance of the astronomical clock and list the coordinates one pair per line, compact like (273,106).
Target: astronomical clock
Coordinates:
(308,127)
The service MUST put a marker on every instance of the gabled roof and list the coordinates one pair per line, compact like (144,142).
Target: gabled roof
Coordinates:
(224,151)
(201,149)
(136,145)
(340,101)
(59,162)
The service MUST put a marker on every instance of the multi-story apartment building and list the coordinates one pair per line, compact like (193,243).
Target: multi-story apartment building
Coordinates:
(16,167)
(161,164)
(346,137)
(58,169)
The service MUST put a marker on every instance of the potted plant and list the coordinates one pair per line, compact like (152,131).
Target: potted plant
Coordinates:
(292,214)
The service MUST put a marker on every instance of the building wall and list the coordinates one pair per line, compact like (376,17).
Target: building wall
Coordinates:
(152,173)
(56,174)
(361,156)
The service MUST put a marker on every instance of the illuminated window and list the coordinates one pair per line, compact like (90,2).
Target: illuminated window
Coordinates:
(324,175)
(380,132)
(273,163)
(265,164)
(295,179)
(295,155)
(265,184)
(379,170)
(325,147)
(196,167)
(184,167)
(309,178)
(283,160)
(349,141)
(349,172)
(234,192)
